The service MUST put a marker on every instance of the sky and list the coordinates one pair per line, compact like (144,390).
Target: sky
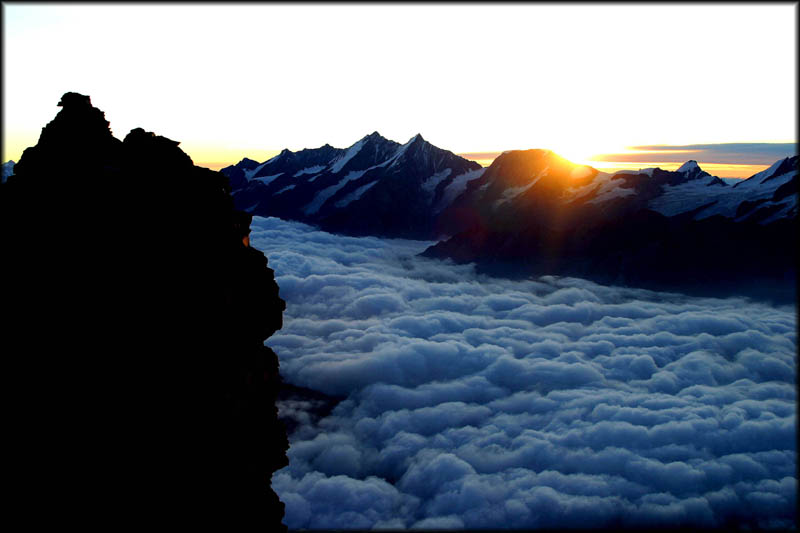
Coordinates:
(470,402)
(246,80)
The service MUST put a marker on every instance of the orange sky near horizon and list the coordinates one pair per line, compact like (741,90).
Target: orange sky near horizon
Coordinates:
(247,80)
(217,159)
(722,170)
(715,168)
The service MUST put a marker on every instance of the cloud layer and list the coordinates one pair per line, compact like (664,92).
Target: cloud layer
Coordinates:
(474,402)
(731,153)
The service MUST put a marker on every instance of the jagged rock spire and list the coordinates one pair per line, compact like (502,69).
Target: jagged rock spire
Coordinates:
(149,394)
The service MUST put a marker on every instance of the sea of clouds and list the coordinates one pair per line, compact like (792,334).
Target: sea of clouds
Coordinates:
(473,402)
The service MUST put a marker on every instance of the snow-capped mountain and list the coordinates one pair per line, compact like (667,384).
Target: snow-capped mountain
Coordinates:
(689,191)
(532,212)
(376,186)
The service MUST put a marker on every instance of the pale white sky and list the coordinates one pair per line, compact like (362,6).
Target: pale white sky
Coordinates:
(247,79)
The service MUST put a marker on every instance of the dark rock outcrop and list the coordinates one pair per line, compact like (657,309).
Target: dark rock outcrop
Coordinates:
(141,391)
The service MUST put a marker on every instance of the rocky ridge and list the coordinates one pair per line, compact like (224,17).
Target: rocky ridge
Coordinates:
(374,187)
(533,213)
(142,393)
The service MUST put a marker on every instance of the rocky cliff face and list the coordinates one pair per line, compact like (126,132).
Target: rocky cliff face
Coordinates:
(142,393)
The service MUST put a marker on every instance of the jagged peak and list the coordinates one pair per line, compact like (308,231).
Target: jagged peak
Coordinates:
(139,134)
(275,158)
(282,154)
(416,142)
(73,100)
(372,137)
(689,166)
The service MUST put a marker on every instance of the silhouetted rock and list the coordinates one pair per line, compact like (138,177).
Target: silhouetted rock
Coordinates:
(142,392)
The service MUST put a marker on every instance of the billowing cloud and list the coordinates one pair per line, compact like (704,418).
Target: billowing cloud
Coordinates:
(473,402)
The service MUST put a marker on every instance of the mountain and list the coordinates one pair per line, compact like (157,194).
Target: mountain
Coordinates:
(374,187)
(140,389)
(765,197)
(532,212)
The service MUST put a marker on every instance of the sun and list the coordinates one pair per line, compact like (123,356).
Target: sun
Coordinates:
(581,151)
(586,152)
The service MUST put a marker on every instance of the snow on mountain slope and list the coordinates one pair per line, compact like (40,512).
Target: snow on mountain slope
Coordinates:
(355,195)
(764,174)
(309,170)
(688,196)
(456,187)
(287,188)
(691,189)
(602,186)
(728,201)
(430,184)
(512,192)
(249,173)
(610,190)
(690,166)
(265,180)
(418,190)
(692,170)
(399,153)
(323,195)
(393,185)
(350,154)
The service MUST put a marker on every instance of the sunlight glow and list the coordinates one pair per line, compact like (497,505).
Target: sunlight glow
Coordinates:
(240,74)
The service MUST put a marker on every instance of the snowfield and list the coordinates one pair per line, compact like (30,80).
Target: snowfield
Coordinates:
(473,402)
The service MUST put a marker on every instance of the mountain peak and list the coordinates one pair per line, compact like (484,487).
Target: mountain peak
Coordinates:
(689,166)
(417,137)
(374,136)
(71,99)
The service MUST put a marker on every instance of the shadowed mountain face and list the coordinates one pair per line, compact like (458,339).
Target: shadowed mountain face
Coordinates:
(682,230)
(374,187)
(532,213)
(141,389)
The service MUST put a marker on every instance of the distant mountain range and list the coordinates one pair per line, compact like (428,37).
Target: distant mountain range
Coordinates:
(374,187)
(534,212)
(380,187)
